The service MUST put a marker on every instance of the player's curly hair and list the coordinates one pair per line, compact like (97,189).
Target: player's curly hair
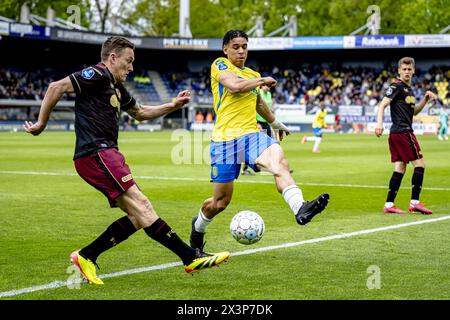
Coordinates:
(115,44)
(231,34)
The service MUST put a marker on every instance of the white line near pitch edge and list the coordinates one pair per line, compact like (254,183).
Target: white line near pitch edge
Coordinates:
(58,284)
(239,181)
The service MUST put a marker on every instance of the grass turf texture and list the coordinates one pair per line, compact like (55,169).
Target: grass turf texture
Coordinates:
(44,218)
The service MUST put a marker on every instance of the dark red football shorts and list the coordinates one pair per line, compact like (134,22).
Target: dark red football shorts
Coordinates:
(106,171)
(404,147)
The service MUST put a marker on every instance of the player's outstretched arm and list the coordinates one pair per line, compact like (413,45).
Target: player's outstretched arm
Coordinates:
(54,93)
(234,84)
(426,98)
(145,112)
(380,116)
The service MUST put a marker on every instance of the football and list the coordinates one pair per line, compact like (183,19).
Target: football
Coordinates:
(247,227)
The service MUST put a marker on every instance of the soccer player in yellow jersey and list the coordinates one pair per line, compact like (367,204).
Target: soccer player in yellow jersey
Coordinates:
(236,138)
(318,124)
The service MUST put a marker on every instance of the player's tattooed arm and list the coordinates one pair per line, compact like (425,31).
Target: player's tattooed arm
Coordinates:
(134,111)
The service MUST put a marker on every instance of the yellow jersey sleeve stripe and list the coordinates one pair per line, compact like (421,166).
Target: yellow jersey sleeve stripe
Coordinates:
(220,96)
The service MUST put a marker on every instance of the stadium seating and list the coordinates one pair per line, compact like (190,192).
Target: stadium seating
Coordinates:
(301,85)
(143,87)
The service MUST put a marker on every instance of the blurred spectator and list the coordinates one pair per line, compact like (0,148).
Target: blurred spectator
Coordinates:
(199,117)
(209,117)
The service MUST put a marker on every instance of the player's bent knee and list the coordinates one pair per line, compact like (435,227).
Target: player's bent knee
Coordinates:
(284,163)
(146,205)
(145,214)
(281,168)
(134,221)
(419,163)
(400,167)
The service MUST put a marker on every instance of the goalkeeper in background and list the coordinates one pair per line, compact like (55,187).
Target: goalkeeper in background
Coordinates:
(443,125)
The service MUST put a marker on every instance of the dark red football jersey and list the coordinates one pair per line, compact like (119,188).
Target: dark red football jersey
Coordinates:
(402,106)
(99,101)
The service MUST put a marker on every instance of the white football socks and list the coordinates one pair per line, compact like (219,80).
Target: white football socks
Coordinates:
(293,197)
(202,222)
(316,144)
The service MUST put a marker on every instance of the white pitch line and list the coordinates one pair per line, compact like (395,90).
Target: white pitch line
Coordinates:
(239,181)
(59,284)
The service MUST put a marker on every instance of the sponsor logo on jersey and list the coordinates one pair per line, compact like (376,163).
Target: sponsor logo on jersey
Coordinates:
(410,99)
(114,101)
(222,66)
(127,178)
(87,73)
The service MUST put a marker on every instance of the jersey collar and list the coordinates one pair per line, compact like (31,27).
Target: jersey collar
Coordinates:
(103,66)
(408,85)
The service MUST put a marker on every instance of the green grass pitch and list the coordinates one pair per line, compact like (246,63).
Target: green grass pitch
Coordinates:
(47,216)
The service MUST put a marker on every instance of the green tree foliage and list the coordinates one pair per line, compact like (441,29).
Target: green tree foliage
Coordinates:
(341,17)
(211,18)
(155,17)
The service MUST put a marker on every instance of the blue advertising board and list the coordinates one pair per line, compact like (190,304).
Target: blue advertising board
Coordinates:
(318,43)
(28,31)
(379,41)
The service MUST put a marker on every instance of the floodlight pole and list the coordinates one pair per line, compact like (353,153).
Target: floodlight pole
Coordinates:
(289,28)
(184,20)
(24,14)
(26,17)
(373,21)
(258,29)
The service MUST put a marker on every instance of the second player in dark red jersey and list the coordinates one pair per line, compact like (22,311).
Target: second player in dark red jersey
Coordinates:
(403,144)
(402,105)
(100,98)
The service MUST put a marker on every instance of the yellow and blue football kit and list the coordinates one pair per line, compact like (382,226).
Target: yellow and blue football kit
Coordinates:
(235,112)
(236,138)
(319,122)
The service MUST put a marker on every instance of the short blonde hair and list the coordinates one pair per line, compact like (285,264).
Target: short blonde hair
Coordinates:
(407,60)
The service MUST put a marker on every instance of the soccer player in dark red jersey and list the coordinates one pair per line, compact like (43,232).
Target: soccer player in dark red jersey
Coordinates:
(403,144)
(100,98)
